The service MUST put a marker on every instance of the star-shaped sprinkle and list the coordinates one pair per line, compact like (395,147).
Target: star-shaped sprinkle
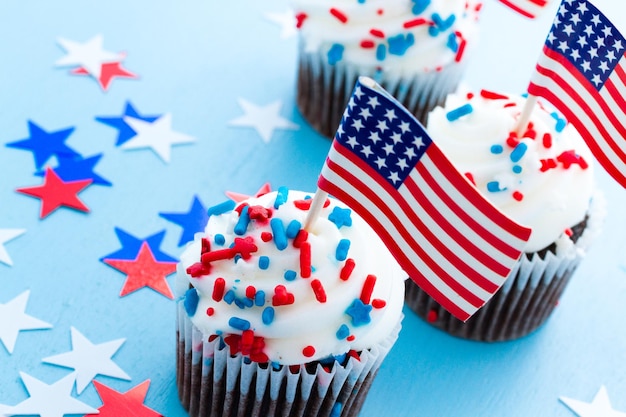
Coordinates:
(359,312)
(14,319)
(5,236)
(108,71)
(192,221)
(238,197)
(55,193)
(264,119)
(144,271)
(130,403)
(79,168)
(157,135)
(53,400)
(45,145)
(599,407)
(119,122)
(89,55)
(131,246)
(287,22)
(89,360)
(341,217)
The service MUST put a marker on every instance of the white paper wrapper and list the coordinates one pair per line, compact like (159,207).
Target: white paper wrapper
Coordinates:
(324,89)
(213,383)
(528,296)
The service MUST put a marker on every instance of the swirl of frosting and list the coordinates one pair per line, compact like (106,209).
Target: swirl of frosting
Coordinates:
(541,178)
(278,293)
(403,37)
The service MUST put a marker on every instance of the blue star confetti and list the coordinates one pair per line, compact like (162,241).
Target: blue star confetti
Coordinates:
(44,145)
(125,131)
(131,246)
(78,168)
(192,221)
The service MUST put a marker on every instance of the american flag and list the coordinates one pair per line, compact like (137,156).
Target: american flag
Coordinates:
(450,240)
(527,8)
(581,72)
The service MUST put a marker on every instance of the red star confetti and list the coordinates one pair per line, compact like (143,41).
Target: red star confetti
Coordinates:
(108,71)
(130,403)
(55,193)
(144,271)
(238,197)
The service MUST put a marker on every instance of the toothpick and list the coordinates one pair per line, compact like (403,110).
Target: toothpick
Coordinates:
(524,117)
(316,207)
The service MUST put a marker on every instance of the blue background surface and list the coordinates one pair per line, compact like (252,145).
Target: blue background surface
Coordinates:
(195,59)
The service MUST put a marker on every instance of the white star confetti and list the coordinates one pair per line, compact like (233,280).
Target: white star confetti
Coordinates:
(264,119)
(50,400)
(599,407)
(5,236)
(157,135)
(88,55)
(287,22)
(89,360)
(13,319)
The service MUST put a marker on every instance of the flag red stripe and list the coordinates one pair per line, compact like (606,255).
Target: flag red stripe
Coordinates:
(615,94)
(518,9)
(541,3)
(621,74)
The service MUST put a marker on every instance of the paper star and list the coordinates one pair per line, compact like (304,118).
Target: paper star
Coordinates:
(157,135)
(78,168)
(45,145)
(108,71)
(5,236)
(50,400)
(89,360)
(88,55)
(13,319)
(599,407)
(54,193)
(192,221)
(287,22)
(144,271)
(125,131)
(131,246)
(264,119)
(238,197)
(131,403)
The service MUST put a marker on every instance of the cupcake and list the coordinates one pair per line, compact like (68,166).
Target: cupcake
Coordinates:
(541,178)
(416,49)
(274,320)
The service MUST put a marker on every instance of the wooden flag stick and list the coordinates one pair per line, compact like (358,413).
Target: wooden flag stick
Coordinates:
(524,117)
(316,207)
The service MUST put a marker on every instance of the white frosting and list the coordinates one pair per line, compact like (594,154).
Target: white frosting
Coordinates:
(306,322)
(320,30)
(551,201)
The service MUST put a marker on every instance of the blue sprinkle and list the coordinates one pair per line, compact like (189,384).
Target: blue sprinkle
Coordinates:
(219,239)
(336,410)
(259,298)
(517,169)
(264,262)
(496,149)
(359,312)
(459,112)
(398,45)
(281,197)
(381,52)
(275,365)
(221,208)
(494,187)
(290,275)
(343,332)
(268,315)
(340,358)
(560,122)
(248,302)
(441,24)
(518,152)
(452,42)
(229,297)
(419,6)
(341,253)
(293,228)
(191,301)
(433,31)
(239,324)
(341,217)
(239,303)
(335,54)
(280,236)
(247,360)
(242,224)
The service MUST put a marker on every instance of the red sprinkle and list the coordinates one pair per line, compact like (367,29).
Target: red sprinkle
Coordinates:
(518,196)
(339,15)
(547,164)
(206,245)
(461,50)
(354,354)
(282,297)
(308,351)
(300,17)
(510,105)
(213,337)
(198,269)
(378,33)
(470,177)
(305,259)
(266,236)
(259,213)
(365,44)
(250,291)
(302,236)
(569,232)
(490,95)
(432,316)
(378,303)
(218,289)
(368,289)
(240,207)
(470,96)
(318,289)
(210,311)
(530,133)
(512,141)
(306,203)
(380,12)
(247,339)
(414,22)
(567,158)
(547,140)
(347,269)
(350,338)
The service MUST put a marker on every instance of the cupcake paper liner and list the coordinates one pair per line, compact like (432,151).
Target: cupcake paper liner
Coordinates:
(527,298)
(213,383)
(323,90)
